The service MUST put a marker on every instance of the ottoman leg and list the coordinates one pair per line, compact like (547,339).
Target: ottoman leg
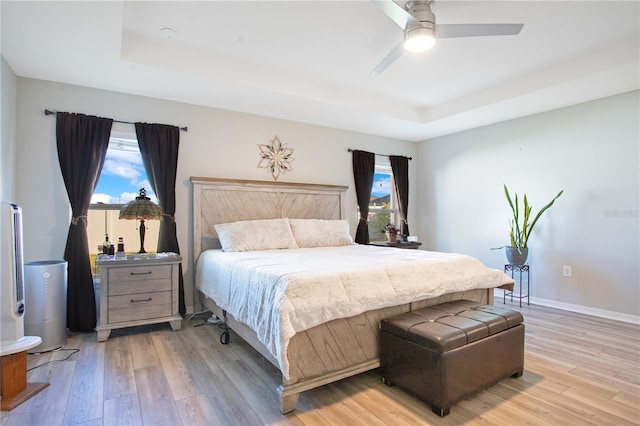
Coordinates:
(440,411)
(517,375)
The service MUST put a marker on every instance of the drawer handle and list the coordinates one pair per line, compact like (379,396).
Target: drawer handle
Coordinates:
(140,300)
(140,273)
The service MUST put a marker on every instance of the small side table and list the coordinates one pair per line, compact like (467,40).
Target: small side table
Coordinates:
(397,244)
(520,269)
(14,389)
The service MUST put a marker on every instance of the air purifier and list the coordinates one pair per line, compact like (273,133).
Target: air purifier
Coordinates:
(45,285)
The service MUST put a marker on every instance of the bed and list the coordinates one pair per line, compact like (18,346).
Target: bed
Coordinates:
(319,344)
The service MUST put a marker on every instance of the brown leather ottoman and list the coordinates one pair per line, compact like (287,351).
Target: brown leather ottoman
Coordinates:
(446,352)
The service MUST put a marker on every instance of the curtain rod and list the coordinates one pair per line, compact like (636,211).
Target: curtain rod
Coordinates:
(379,155)
(53,112)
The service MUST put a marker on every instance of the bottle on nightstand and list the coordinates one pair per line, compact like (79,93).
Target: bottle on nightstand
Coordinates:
(120,252)
(106,244)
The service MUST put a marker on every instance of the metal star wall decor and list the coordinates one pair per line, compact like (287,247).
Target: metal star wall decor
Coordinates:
(275,157)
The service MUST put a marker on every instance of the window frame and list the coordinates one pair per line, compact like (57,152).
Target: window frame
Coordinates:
(383,166)
(124,134)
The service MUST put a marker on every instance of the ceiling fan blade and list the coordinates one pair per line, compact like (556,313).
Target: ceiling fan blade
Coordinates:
(391,57)
(395,12)
(476,30)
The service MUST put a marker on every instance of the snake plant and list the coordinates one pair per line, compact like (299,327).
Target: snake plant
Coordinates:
(519,232)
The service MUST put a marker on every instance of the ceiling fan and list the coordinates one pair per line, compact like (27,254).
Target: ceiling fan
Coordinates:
(420,29)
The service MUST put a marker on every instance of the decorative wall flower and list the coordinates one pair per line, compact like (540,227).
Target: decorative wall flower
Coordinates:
(275,157)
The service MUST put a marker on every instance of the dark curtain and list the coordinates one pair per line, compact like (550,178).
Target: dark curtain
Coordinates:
(400,169)
(159,148)
(82,143)
(363,170)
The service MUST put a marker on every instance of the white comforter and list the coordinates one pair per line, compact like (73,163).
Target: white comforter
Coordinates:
(281,292)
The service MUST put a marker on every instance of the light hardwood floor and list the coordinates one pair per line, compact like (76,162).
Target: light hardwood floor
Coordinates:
(579,370)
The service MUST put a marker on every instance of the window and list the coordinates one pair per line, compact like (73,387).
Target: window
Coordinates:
(381,205)
(123,173)
(121,178)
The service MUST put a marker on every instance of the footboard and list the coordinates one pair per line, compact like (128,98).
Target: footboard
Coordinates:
(334,350)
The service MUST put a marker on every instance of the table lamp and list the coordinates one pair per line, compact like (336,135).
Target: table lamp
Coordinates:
(142,208)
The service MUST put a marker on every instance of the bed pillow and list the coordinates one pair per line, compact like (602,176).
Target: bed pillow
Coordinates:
(321,232)
(262,234)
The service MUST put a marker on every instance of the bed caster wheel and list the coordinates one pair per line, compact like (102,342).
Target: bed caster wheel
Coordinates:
(441,411)
(224,337)
(387,382)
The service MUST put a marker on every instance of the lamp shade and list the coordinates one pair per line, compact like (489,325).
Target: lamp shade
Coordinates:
(141,208)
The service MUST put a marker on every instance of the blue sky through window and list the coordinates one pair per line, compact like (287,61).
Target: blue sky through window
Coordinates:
(122,175)
(381,185)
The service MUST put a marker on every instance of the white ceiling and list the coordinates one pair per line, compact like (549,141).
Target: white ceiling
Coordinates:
(310,61)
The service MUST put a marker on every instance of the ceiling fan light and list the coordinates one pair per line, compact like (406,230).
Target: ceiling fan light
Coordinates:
(419,39)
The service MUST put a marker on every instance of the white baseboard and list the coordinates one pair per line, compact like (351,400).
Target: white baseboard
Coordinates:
(602,313)
(587,310)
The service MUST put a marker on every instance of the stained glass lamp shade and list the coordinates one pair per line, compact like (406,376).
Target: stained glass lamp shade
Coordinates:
(142,208)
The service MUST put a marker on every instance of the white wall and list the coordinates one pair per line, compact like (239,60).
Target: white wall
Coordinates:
(589,150)
(8,100)
(218,143)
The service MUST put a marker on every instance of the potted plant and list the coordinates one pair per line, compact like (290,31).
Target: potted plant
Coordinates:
(391,231)
(521,227)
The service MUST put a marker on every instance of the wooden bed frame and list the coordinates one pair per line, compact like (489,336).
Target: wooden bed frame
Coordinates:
(327,352)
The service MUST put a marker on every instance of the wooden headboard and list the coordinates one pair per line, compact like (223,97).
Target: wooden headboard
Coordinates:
(217,200)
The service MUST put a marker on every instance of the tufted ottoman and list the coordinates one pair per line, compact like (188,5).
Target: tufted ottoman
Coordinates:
(446,352)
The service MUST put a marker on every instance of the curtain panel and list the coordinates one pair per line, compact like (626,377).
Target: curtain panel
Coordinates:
(159,148)
(363,170)
(82,143)
(400,169)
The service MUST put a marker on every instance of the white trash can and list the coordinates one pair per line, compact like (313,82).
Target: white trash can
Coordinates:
(46,303)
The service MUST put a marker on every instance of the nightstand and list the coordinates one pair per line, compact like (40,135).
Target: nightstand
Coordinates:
(397,244)
(137,292)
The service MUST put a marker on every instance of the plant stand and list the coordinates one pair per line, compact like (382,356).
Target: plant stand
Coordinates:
(520,269)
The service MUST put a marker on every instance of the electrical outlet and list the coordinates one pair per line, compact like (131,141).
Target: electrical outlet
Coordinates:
(566,271)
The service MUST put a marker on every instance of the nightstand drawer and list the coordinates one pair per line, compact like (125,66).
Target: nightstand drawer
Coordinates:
(116,288)
(140,273)
(139,306)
